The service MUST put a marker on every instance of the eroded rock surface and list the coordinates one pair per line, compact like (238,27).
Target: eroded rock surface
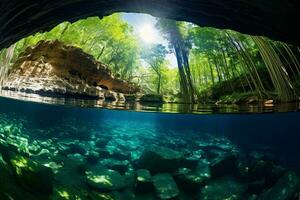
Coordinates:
(52,68)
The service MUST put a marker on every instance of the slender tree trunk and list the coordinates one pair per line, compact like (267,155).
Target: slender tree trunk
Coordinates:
(279,77)
(211,73)
(158,84)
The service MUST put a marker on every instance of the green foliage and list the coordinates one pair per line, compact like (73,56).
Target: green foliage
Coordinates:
(155,57)
(110,40)
(210,62)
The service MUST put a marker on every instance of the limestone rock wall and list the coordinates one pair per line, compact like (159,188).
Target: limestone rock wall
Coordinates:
(53,68)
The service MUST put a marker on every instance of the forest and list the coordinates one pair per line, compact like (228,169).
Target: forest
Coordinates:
(212,65)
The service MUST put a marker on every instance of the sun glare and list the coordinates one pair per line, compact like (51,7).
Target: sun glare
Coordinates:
(148,33)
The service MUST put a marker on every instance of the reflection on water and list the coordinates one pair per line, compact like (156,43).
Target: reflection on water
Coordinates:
(152,107)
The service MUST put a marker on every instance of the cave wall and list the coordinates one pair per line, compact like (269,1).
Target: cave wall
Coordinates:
(277,19)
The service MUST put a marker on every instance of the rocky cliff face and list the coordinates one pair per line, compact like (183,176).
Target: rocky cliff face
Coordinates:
(54,69)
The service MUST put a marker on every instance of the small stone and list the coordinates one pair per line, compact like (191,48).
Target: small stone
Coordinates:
(165,186)
(105,179)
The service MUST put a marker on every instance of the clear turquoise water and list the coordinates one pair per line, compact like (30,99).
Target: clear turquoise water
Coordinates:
(36,128)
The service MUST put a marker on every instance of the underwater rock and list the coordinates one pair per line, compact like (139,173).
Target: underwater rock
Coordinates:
(130,179)
(74,148)
(10,189)
(107,153)
(92,157)
(160,159)
(34,149)
(265,170)
(104,154)
(203,168)
(72,173)
(224,188)
(105,179)
(68,193)
(285,189)
(165,186)
(120,155)
(100,196)
(224,165)
(128,144)
(76,162)
(117,165)
(144,182)
(32,176)
(189,180)
(51,68)
(101,142)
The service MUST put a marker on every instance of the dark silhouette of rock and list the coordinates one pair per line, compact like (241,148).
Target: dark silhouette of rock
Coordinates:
(224,165)
(285,189)
(32,176)
(144,182)
(277,19)
(165,186)
(160,159)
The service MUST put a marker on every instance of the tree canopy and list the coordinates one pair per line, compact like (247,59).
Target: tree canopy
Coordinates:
(210,62)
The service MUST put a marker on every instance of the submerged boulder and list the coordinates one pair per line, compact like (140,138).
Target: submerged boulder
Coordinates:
(224,165)
(160,159)
(223,188)
(285,189)
(190,180)
(51,68)
(165,186)
(32,176)
(144,182)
